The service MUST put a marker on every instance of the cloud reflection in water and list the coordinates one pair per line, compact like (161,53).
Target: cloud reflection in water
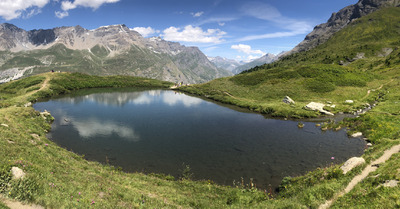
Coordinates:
(173,99)
(93,127)
(96,127)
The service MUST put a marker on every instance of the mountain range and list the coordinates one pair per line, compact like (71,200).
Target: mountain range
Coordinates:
(225,63)
(107,50)
(237,67)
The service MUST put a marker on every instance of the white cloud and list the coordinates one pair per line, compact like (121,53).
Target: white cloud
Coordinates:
(60,14)
(197,14)
(269,35)
(193,35)
(68,5)
(145,32)
(94,4)
(267,12)
(221,24)
(210,49)
(32,13)
(217,20)
(246,49)
(243,59)
(261,11)
(295,28)
(11,9)
(251,58)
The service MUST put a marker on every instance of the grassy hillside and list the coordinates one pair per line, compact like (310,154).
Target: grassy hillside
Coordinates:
(352,63)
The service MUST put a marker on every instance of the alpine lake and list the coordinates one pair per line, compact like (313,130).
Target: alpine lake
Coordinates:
(167,132)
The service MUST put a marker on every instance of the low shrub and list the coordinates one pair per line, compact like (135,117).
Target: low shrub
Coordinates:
(24,189)
(320,86)
(5,177)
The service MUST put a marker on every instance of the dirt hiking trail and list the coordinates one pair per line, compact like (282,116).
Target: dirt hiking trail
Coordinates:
(357,179)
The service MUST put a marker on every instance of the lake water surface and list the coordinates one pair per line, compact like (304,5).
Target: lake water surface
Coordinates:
(157,131)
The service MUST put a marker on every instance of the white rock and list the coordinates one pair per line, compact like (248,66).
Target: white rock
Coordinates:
(35,136)
(5,125)
(288,100)
(352,163)
(369,144)
(29,104)
(45,114)
(349,101)
(390,183)
(17,173)
(355,135)
(317,107)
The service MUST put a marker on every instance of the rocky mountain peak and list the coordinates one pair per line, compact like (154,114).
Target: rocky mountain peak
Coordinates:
(339,20)
(79,30)
(10,27)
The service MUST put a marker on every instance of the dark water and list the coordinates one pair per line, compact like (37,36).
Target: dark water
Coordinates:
(157,131)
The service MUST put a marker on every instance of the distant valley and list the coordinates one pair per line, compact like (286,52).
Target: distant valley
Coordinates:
(237,67)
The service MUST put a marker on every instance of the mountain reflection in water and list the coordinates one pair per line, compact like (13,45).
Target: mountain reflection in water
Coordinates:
(148,97)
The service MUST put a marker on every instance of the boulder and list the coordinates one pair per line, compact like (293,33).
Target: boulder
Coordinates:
(352,163)
(288,100)
(17,173)
(29,104)
(355,135)
(390,183)
(35,136)
(315,106)
(45,114)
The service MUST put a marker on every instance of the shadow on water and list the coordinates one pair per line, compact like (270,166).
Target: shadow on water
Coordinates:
(157,131)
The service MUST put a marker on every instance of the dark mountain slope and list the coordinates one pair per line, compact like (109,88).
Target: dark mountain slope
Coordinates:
(341,19)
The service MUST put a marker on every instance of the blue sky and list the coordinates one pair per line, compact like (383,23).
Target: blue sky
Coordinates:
(234,29)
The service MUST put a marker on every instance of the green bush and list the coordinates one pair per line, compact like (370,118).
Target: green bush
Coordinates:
(268,110)
(288,75)
(249,79)
(5,177)
(350,79)
(320,86)
(14,86)
(24,189)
